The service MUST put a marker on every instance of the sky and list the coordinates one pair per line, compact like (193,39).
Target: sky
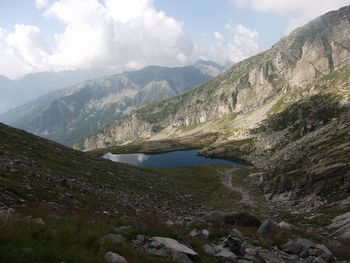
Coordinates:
(54,35)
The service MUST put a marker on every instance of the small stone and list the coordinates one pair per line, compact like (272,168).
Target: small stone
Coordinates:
(175,245)
(285,226)
(111,257)
(236,233)
(226,256)
(38,221)
(122,228)
(209,250)
(205,233)
(141,239)
(169,223)
(233,244)
(194,232)
(112,239)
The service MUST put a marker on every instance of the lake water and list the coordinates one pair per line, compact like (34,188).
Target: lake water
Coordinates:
(165,160)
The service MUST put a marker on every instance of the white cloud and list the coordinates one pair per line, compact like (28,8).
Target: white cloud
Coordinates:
(218,36)
(298,12)
(239,43)
(102,33)
(113,33)
(2,32)
(27,45)
(41,3)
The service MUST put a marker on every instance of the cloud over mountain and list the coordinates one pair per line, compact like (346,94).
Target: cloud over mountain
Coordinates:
(298,11)
(112,33)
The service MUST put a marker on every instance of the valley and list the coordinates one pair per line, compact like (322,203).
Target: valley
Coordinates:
(200,163)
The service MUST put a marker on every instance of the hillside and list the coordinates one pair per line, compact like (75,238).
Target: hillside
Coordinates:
(68,115)
(277,110)
(62,205)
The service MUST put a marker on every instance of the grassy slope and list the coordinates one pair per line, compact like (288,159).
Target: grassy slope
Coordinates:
(100,195)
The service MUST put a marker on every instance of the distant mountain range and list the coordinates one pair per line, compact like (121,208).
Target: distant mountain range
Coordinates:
(14,93)
(68,115)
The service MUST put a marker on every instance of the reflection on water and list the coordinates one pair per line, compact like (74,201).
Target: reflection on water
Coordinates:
(135,158)
(163,160)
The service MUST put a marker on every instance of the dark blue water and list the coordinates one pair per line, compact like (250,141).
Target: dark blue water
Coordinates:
(165,160)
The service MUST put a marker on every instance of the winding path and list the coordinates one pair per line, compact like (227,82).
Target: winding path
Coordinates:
(227,181)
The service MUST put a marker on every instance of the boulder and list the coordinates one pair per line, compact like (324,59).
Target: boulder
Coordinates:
(112,257)
(299,247)
(267,227)
(175,245)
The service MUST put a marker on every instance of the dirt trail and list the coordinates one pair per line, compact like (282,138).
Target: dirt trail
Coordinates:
(227,181)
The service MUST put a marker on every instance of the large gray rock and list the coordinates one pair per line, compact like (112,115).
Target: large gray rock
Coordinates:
(267,227)
(175,245)
(112,257)
(299,246)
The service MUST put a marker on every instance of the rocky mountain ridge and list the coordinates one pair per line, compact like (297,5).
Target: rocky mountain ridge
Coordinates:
(70,114)
(14,93)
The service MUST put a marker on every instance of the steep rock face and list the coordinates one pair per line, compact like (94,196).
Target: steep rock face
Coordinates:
(298,60)
(70,114)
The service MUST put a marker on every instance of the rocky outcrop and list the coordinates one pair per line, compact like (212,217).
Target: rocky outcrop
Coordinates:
(341,227)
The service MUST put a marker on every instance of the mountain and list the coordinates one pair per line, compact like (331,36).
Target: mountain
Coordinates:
(14,93)
(68,115)
(284,110)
